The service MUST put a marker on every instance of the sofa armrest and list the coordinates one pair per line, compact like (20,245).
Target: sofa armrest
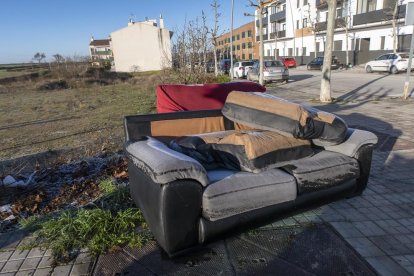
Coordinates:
(355,139)
(162,164)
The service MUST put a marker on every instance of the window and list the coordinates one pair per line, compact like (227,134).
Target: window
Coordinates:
(364,6)
(298,4)
(249,33)
(284,27)
(238,37)
(273,27)
(238,47)
(338,45)
(243,45)
(272,9)
(382,42)
(305,2)
(249,45)
(250,56)
(304,22)
(243,56)
(303,51)
(297,24)
(243,34)
(372,4)
(318,45)
(290,51)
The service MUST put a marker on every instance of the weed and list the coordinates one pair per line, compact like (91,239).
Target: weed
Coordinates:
(107,186)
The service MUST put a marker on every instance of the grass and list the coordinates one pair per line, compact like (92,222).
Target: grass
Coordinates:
(111,224)
(8,74)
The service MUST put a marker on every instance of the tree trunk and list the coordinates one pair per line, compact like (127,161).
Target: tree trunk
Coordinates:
(394,28)
(314,43)
(215,58)
(346,42)
(261,50)
(325,95)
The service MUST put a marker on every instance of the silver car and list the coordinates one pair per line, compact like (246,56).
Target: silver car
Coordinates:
(273,70)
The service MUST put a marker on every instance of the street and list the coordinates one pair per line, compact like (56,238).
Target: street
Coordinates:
(353,84)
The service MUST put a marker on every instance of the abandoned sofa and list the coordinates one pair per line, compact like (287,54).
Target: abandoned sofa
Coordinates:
(198,174)
(181,97)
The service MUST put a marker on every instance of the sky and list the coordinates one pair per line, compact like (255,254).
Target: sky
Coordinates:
(66,26)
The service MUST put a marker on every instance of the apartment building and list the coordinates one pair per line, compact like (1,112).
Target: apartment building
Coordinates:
(142,46)
(245,46)
(100,51)
(363,27)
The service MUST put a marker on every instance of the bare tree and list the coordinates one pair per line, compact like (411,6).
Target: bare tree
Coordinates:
(58,58)
(39,57)
(214,32)
(394,27)
(325,95)
(313,22)
(346,25)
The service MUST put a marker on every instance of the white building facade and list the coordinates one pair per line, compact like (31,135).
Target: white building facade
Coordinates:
(142,46)
(298,28)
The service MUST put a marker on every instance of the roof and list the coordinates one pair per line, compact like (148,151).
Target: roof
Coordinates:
(100,42)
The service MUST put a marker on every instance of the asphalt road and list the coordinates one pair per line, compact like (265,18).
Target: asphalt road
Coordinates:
(353,84)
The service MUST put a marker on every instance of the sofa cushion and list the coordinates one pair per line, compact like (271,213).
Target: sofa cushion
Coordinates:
(163,164)
(322,170)
(263,111)
(244,191)
(246,150)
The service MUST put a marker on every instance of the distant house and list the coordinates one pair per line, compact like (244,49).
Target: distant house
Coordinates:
(141,46)
(100,50)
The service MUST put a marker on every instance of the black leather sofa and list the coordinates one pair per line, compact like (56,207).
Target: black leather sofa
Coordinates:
(186,205)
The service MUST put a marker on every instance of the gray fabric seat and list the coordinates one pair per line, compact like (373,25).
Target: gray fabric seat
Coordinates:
(322,170)
(244,191)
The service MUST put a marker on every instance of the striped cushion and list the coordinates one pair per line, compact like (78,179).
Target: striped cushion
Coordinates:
(246,150)
(264,111)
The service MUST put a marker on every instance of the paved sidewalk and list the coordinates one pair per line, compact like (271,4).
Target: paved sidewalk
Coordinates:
(379,224)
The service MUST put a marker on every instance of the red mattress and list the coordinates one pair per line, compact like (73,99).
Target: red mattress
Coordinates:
(173,97)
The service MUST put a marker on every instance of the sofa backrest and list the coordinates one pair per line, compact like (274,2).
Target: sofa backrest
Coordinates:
(170,125)
(180,97)
(264,111)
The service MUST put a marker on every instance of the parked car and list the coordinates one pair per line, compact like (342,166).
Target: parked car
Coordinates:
(317,64)
(224,66)
(241,68)
(289,62)
(210,66)
(274,70)
(391,62)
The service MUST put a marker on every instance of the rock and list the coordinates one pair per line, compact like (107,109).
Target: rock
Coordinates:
(8,180)
(19,184)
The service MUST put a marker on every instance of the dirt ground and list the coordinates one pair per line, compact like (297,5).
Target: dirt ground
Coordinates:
(87,118)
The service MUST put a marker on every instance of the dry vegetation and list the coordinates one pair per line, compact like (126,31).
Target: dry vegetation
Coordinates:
(75,108)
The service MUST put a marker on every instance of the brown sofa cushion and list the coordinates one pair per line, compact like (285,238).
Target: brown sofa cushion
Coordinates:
(246,150)
(263,111)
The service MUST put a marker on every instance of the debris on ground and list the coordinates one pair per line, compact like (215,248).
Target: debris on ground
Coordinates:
(61,187)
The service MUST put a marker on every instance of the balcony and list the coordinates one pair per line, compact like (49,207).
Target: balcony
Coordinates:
(264,20)
(377,16)
(321,26)
(279,16)
(280,34)
(265,37)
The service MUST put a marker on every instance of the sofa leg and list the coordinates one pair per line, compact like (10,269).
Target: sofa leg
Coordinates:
(364,157)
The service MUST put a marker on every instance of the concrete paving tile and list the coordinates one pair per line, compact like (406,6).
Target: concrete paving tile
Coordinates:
(83,258)
(391,245)
(25,273)
(386,266)
(410,269)
(62,270)
(43,272)
(80,269)
(8,274)
(369,228)
(5,255)
(36,252)
(1,265)
(31,263)
(347,229)
(365,247)
(19,254)
(12,266)
(45,262)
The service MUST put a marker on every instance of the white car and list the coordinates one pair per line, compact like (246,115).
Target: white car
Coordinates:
(241,68)
(391,62)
